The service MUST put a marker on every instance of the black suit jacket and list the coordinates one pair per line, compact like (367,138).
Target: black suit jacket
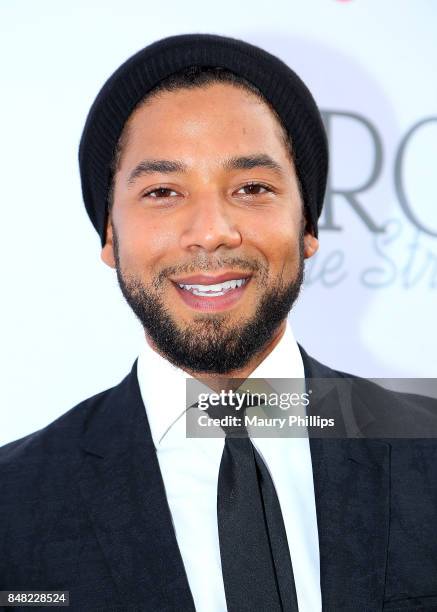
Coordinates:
(83,508)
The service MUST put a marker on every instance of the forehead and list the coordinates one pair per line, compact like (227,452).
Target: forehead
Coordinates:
(218,115)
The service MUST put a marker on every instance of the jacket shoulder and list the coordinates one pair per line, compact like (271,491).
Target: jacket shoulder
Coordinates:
(316,369)
(57,439)
(405,415)
(40,509)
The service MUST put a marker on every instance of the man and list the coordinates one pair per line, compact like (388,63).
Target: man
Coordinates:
(203,165)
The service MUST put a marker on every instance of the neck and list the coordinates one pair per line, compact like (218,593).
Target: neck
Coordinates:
(216,381)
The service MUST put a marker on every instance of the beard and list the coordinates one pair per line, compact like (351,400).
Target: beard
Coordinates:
(210,344)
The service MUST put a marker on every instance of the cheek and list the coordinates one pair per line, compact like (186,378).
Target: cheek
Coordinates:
(144,244)
(285,255)
(278,240)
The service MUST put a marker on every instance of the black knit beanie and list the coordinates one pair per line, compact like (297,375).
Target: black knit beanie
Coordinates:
(118,97)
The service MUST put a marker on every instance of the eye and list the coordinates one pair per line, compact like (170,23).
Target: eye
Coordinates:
(160,192)
(254,189)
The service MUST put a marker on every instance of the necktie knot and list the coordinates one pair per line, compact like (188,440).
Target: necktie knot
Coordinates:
(231,416)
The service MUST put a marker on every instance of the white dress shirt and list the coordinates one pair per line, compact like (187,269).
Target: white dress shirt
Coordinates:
(190,467)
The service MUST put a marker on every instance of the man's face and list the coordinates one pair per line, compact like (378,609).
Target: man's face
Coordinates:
(205,194)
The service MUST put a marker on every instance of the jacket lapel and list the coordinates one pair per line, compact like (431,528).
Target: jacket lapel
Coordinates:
(121,484)
(352,494)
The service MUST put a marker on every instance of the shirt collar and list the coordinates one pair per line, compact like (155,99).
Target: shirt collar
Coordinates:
(163,385)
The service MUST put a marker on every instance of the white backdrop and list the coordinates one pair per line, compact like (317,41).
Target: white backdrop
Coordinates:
(369,303)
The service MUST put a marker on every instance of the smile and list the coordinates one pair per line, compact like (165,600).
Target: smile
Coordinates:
(216,290)
(203,294)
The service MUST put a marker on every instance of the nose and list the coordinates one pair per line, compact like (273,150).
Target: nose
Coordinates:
(210,225)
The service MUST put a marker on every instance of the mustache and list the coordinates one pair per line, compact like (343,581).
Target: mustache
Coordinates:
(208,265)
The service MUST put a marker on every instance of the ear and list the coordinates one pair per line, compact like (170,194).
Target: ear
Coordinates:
(107,254)
(311,243)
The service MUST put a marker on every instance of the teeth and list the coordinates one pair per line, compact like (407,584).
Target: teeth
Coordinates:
(218,289)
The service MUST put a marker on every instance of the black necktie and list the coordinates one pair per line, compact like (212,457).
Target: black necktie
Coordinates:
(256,564)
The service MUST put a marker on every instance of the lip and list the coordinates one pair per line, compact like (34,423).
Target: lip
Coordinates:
(207,279)
(212,304)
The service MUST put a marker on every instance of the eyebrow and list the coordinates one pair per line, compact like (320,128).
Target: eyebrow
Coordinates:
(167,166)
(248,162)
